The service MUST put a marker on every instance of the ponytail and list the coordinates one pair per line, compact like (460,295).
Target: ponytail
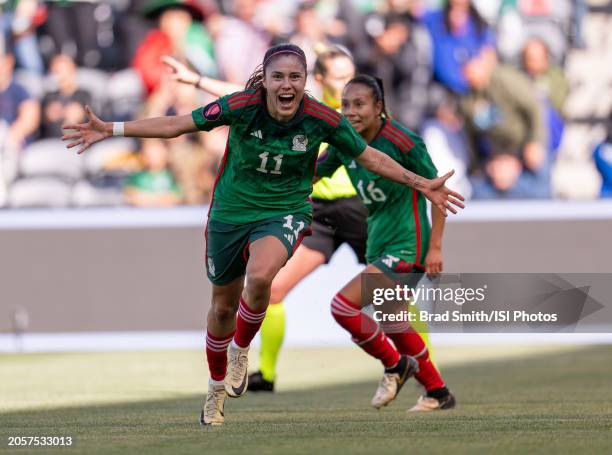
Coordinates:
(255,79)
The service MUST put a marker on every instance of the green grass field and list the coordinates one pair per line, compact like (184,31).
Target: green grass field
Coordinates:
(511,400)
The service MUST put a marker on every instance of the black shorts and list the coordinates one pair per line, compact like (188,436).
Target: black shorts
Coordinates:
(336,222)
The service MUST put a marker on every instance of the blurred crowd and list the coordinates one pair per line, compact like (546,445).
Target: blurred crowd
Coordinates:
(483,81)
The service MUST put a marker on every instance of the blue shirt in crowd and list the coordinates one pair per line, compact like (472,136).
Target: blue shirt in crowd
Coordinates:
(10,99)
(452,51)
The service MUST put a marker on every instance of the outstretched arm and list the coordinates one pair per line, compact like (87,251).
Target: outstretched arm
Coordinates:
(95,130)
(215,87)
(434,190)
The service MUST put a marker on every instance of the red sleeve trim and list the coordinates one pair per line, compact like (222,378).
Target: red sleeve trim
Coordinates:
(322,108)
(321,117)
(398,137)
(399,132)
(403,148)
(243,99)
(323,112)
(245,103)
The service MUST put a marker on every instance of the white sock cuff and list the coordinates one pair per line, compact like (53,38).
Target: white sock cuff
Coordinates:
(235,346)
(211,381)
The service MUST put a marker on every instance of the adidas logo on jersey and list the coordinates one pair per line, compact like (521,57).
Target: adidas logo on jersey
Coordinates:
(257,134)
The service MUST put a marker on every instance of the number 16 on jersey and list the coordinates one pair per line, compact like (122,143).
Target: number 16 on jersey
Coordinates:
(376,194)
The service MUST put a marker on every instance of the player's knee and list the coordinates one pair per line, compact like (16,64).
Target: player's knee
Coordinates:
(259,281)
(223,312)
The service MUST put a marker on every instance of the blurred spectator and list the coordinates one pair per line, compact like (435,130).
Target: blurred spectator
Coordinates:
(130,29)
(19,119)
(579,11)
(277,17)
(72,29)
(193,158)
(549,20)
(309,31)
(18,111)
(181,34)
(551,85)
(155,186)
(66,104)
(18,22)
(415,8)
(399,52)
(333,68)
(549,78)
(445,138)
(507,132)
(351,14)
(458,33)
(238,35)
(603,160)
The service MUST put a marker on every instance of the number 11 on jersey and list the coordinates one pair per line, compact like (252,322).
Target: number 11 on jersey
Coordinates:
(278,159)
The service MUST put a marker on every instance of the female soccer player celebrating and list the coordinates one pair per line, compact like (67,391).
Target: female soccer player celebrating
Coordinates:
(338,217)
(399,240)
(338,214)
(260,211)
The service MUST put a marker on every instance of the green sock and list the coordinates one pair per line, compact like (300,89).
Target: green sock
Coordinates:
(272,335)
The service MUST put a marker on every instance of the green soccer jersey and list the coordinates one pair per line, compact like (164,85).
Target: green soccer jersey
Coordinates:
(397,216)
(268,165)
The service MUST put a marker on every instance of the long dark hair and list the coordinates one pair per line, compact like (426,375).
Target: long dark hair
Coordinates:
(256,79)
(479,22)
(375,85)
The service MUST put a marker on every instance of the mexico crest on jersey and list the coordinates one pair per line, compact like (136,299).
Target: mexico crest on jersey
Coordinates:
(299,143)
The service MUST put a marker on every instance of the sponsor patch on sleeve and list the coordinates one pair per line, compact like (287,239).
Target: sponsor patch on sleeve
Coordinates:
(212,111)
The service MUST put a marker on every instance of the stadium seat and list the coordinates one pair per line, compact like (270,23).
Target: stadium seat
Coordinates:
(100,155)
(124,94)
(50,158)
(103,167)
(86,194)
(39,192)
(47,171)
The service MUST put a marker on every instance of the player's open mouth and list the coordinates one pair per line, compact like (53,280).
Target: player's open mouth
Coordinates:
(286,100)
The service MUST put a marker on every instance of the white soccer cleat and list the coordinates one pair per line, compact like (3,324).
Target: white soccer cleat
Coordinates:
(237,379)
(386,391)
(392,381)
(429,404)
(212,412)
